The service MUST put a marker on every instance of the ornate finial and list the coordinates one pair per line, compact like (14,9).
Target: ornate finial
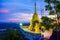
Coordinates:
(35,7)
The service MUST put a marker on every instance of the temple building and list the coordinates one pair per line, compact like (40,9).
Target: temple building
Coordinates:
(35,22)
(34,30)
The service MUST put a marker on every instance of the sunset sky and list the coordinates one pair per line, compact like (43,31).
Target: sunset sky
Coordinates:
(20,10)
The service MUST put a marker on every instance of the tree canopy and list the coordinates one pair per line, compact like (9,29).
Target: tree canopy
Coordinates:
(53,6)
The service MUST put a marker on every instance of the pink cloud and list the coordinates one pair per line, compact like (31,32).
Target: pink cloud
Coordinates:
(24,17)
(4,10)
(12,19)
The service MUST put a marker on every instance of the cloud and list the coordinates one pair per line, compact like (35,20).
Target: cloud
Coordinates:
(4,10)
(23,17)
(19,17)
(13,19)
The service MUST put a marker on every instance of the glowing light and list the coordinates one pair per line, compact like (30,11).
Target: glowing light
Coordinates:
(20,24)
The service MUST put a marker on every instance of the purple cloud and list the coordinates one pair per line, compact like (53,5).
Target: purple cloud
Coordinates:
(4,10)
(12,19)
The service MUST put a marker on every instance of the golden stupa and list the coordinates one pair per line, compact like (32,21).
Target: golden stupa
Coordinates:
(35,22)
(34,26)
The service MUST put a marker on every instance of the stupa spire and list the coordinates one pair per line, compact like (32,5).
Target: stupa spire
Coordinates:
(35,7)
(35,22)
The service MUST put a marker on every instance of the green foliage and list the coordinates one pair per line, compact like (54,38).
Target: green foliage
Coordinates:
(13,35)
(48,7)
(46,22)
(34,23)
(58,7)
(57,26)
(51,12)
(53,9)
(46,19)
(48,1)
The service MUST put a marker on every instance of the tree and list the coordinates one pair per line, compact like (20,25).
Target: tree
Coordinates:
(54,8)
(47,22)
(13,35)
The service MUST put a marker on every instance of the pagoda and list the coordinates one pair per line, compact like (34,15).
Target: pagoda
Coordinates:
(35,21)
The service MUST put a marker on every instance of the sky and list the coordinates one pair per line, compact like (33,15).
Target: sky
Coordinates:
(20,10)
